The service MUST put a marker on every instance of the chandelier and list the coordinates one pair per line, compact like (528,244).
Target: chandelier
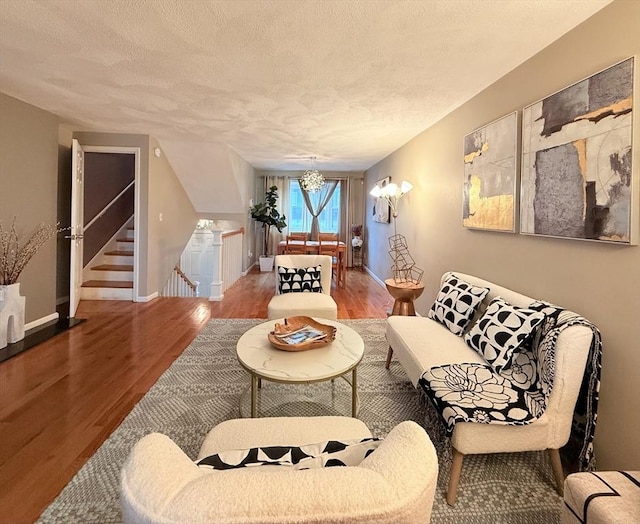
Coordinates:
(311,180)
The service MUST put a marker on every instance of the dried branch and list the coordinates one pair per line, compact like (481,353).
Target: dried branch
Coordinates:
(13,256)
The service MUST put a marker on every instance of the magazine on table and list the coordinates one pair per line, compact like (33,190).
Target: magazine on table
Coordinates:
(302,335)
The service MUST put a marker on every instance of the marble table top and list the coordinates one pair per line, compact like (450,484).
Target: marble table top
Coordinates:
(257,355)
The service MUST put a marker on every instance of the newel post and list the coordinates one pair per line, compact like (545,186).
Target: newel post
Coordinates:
(216,292)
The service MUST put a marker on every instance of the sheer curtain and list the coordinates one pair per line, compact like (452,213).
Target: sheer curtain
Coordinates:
(282,204)
(325,195)
(344,211)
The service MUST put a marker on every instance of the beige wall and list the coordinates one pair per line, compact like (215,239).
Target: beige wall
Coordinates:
(28,185)
(600,281)
(167,237)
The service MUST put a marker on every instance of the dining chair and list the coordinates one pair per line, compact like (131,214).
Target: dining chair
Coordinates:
(328,245)
(296,244)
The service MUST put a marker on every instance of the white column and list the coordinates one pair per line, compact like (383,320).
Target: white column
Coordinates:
(216,292)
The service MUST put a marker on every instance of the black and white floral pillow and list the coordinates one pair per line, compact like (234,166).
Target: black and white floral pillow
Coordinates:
(456,303)
(300,279)
(318,455)
(502,329)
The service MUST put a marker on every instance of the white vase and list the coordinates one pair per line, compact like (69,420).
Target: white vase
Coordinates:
(11,314)
(266,263)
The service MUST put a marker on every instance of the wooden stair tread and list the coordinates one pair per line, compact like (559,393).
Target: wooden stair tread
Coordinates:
(124,239)
(113,267)
(120,253)
(121,284)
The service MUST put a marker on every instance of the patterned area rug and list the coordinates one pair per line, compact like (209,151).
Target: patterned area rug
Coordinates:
(206,384)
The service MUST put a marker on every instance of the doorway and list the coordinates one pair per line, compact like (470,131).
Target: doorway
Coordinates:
(107,203)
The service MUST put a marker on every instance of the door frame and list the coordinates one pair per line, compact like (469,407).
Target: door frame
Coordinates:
(136,206)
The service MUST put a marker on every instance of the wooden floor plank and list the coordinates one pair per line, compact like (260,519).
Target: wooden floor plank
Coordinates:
(61,399)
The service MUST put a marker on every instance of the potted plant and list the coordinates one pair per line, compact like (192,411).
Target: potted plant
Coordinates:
(356,231)
(267,214)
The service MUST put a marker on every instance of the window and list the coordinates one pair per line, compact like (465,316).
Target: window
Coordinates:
(299,218)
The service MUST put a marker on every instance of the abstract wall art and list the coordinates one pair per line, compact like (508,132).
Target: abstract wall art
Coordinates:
(576,159)
(489,189)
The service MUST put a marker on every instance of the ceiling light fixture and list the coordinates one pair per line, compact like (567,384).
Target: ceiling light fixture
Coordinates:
(312,180)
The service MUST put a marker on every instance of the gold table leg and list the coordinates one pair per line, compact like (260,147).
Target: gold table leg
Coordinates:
(254,388)
(354,393)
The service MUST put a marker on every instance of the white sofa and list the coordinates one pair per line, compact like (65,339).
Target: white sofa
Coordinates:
(420,343)
(320,305)
(394,484)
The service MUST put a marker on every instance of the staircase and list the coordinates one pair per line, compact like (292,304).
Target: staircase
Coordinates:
(113,278)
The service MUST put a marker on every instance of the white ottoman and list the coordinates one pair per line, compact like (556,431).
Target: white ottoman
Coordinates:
(599,497)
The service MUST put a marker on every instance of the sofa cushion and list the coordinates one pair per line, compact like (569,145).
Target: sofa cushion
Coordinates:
(317,455)
(299,279)
(502,330)
(456,303)
(318,305)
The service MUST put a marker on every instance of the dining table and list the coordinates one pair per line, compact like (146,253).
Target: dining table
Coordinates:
(313,247)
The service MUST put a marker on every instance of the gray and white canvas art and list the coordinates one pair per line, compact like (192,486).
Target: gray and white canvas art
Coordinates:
(489,189)
(576,159)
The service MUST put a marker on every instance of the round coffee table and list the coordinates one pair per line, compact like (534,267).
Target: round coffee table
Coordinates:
(263,361)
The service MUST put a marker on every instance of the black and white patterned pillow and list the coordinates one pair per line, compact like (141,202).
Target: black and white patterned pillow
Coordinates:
(300,279)
(318,455)
(456,303)
(501,330)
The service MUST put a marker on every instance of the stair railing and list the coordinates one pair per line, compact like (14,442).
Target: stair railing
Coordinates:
(227,261)
(180,285)
(106,208)
(231,257)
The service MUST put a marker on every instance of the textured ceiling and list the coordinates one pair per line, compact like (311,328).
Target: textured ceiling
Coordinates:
(347,81)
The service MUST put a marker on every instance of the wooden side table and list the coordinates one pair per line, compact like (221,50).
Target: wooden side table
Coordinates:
(404,294)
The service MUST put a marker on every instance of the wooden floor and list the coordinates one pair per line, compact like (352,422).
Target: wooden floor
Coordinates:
(61,399)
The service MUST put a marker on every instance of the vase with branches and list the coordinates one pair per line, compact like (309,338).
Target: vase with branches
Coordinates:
(14,257)
(356,231)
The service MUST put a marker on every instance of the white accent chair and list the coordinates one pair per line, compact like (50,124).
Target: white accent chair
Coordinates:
(394,484)
(319,305)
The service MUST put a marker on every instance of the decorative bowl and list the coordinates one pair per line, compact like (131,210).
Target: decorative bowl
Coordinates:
(301,333)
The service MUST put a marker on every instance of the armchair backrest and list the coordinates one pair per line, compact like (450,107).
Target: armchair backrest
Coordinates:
(298,261)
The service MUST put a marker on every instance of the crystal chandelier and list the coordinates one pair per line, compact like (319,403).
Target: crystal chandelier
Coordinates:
(311,180)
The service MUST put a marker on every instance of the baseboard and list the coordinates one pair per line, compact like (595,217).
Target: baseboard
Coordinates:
(246,272)
(374,277)
(148,298)
(40,321)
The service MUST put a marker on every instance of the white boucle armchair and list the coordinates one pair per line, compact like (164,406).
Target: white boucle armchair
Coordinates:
(319,305)
(394,484)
